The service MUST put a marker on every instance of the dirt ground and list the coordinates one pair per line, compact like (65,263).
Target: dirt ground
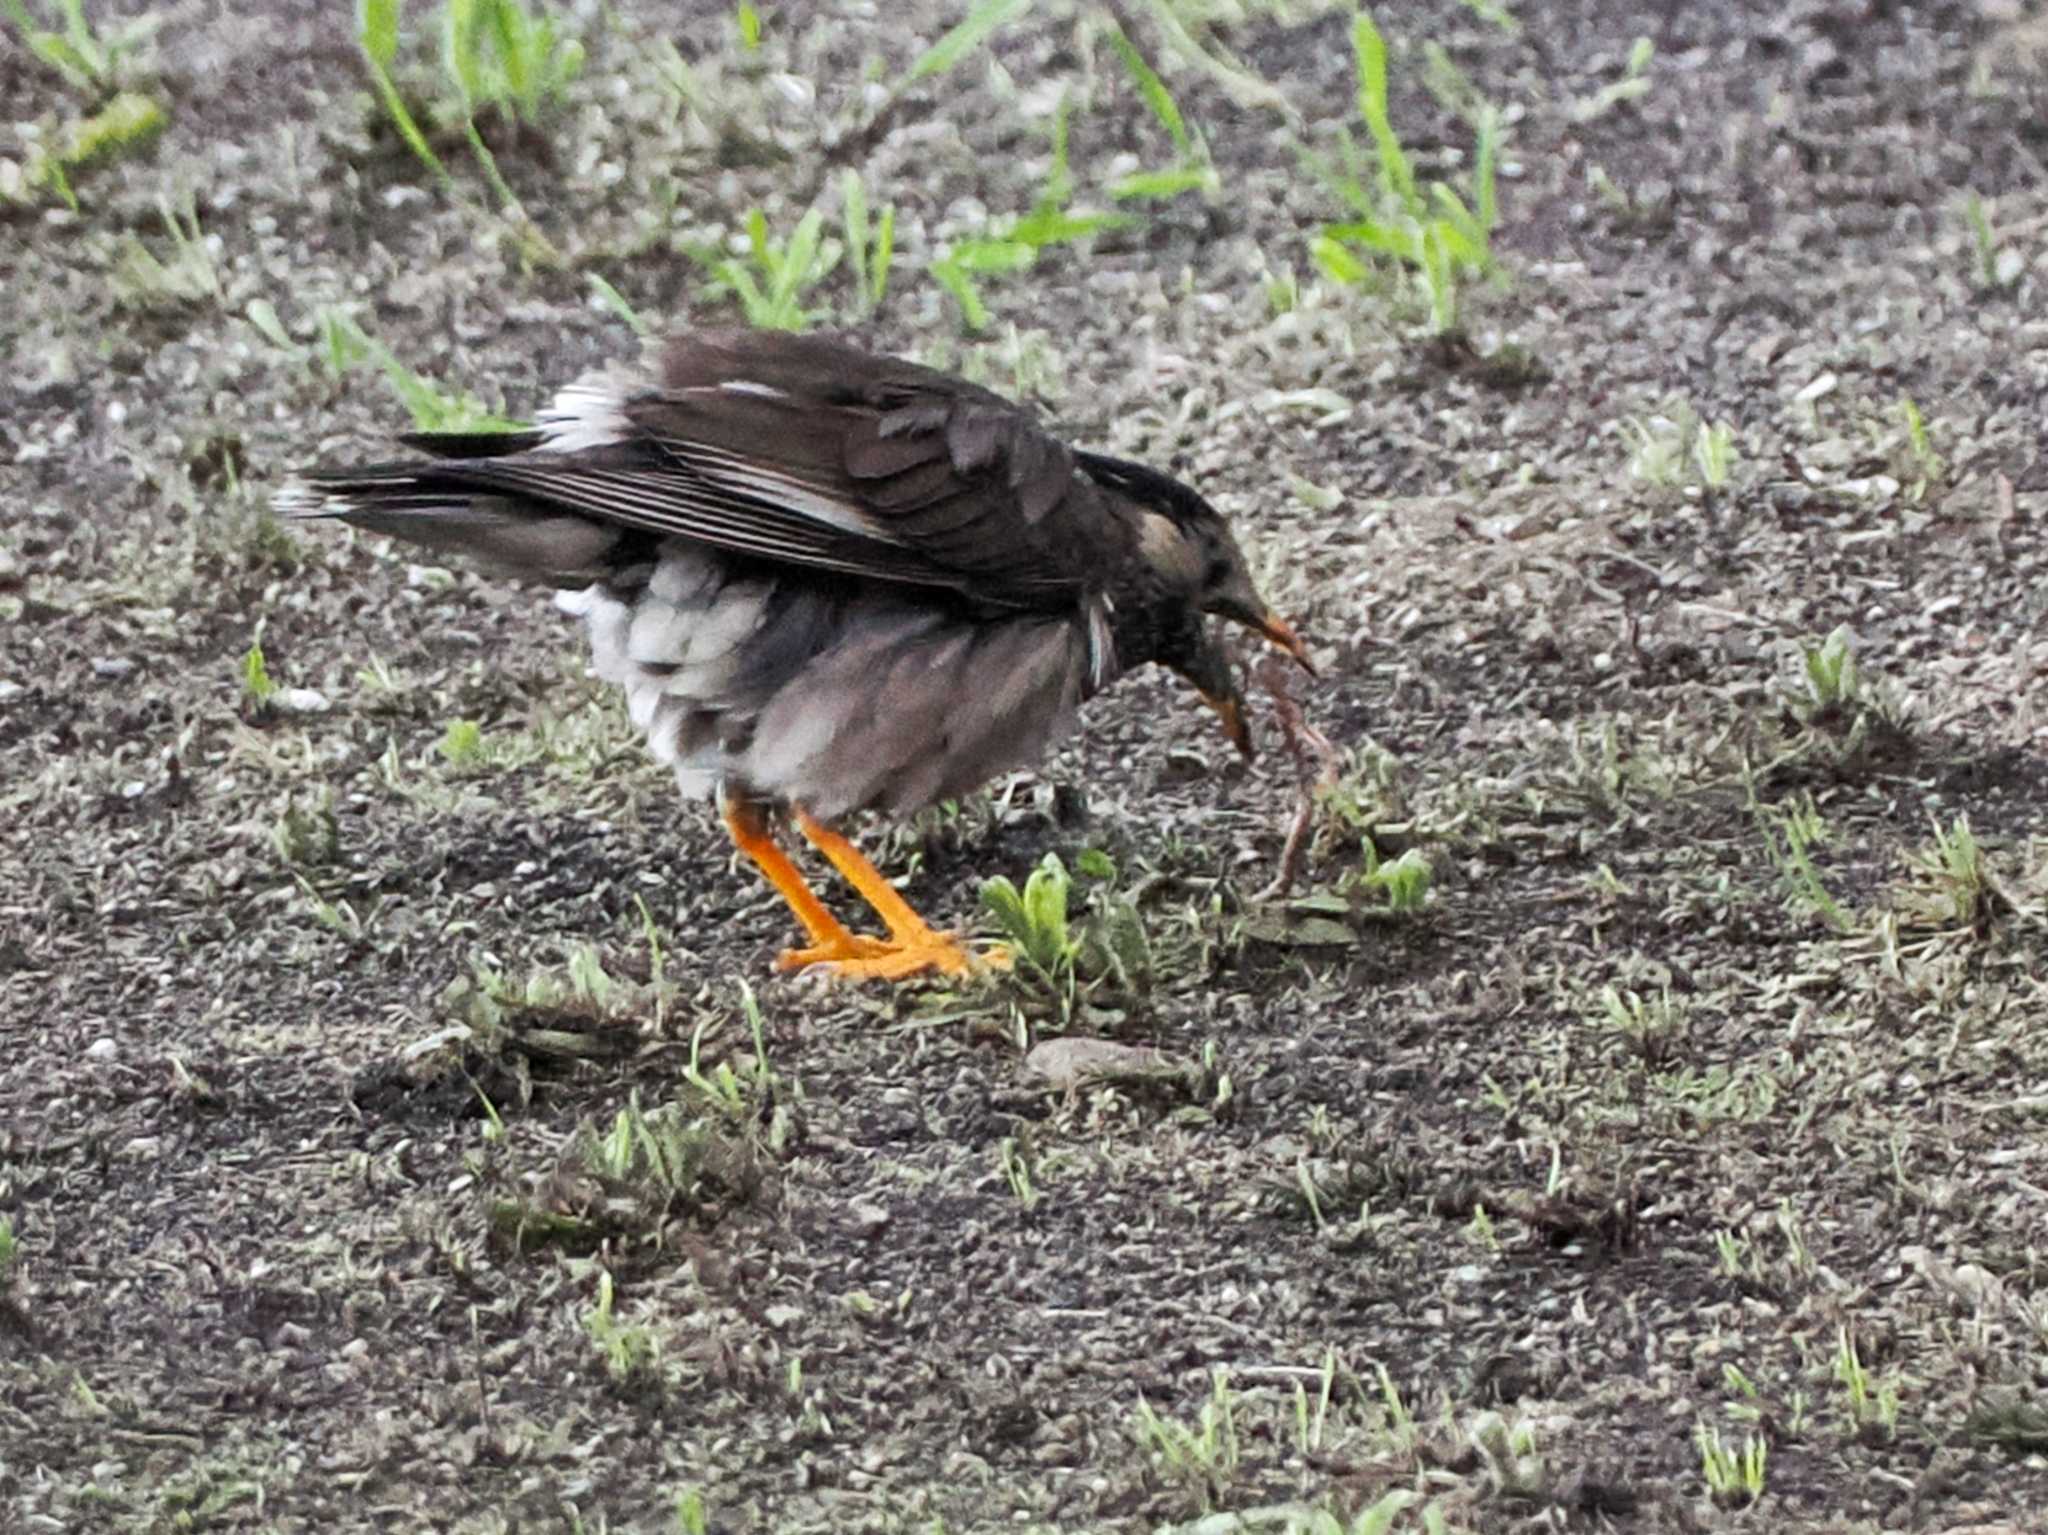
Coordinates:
(386,1140)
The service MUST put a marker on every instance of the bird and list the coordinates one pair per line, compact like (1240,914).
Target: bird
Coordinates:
(828,582)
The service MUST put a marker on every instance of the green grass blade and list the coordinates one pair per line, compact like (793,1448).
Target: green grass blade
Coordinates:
(1059,180)
(885,250)
(1046,226)
(796,270)
(1485,155)
(1465,238)
(753,302)
(1369,57)
(954,279)
(1369,51)
(853,214)
(461,47)
(1163,186)
(1388,239)
(617,303)
(1152,89)
(1439,278)
(522,44)
(966,36)
(1003,901)
(991,256)
(1335,260)
(377,31)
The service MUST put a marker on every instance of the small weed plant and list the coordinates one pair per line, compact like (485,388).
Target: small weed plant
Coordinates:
(1833,684)
(1427,230)
(343,344)
(144,280)
(1633,84)
(1192,170)
(631,1353)
(1054,220)
(1999,265)
(1403,884)
(506,58)
(92,60)
(1734,1474)
(495,54)
(1873,1406)
(1952,884)
(1921,470)
(128,123)
(1514,1461)
(870,245)
(463,747)
(1064,958)
(1676,450)
(1201,1457)
(259,688)
(1651,1026)
(1793,831)
(775,277)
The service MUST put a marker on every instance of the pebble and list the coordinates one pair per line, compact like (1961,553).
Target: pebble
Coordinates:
(302,701)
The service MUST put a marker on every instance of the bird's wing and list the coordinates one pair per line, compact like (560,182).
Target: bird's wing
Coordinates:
(807,452)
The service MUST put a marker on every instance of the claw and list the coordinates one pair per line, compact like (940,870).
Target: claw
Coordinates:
(884,959)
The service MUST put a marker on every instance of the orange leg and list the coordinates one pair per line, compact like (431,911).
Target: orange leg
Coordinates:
(829,940)
(912,947)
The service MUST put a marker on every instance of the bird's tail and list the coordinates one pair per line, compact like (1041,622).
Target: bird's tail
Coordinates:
(446,505)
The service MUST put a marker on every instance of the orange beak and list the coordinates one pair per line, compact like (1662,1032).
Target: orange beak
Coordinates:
(1281,633)
(1231,712)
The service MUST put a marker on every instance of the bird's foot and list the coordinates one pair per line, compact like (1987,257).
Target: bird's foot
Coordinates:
(900,958)
(833,949)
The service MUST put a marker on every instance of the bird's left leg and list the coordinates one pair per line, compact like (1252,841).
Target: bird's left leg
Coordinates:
(747,824)
(913,946)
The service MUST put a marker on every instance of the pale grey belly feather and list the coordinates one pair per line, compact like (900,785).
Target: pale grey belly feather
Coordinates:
(839,701)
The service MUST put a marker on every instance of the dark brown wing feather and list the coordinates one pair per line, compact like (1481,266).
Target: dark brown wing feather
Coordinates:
(923,477)
(792,449)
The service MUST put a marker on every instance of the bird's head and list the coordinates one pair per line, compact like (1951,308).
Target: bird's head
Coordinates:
(1194,565)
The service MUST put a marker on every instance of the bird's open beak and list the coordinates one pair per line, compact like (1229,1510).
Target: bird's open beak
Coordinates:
(1230,709)
(1281,633)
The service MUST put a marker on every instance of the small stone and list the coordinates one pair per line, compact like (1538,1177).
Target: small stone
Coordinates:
(302,701)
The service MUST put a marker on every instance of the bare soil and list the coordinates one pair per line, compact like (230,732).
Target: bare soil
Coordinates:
(1634,1134)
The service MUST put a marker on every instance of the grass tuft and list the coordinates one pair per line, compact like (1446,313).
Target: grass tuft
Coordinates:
(1427,230)
(774,279)
(506,58)
(91,60)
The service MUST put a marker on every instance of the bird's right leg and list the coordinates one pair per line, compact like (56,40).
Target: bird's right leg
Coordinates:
(747,825)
